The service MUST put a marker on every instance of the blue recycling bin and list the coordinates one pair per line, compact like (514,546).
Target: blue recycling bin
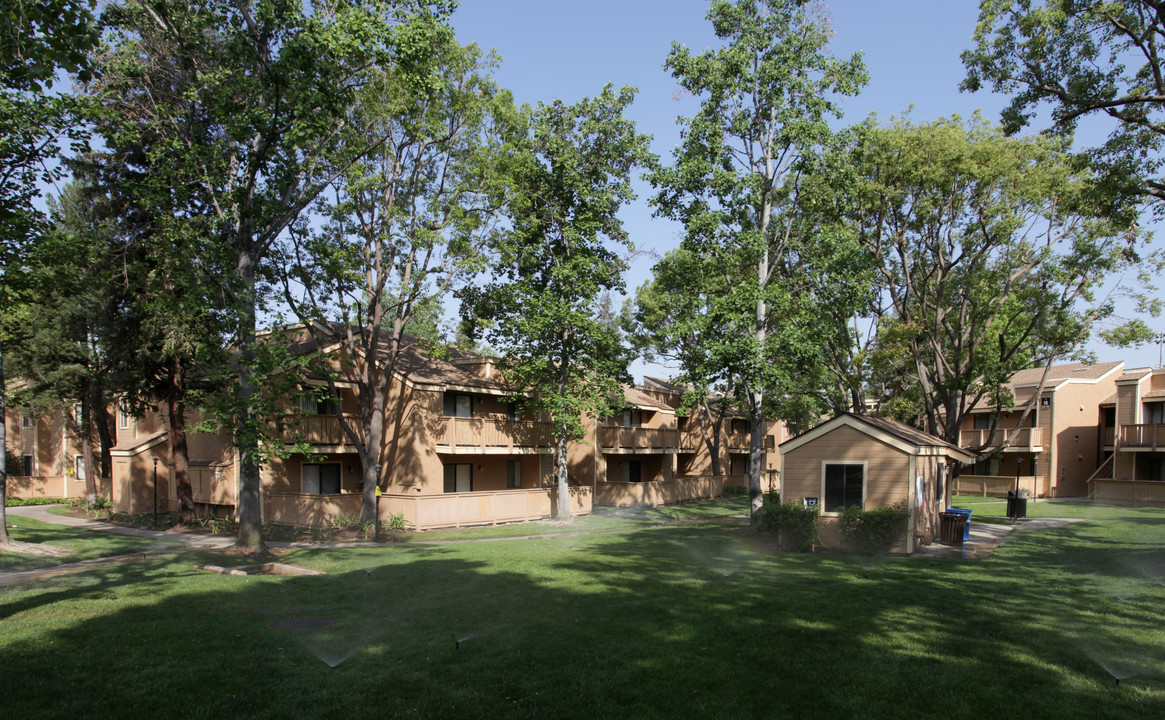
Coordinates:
(967,525)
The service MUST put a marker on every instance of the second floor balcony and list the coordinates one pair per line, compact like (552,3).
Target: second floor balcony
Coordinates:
(1150,436)
(484,435)
(638,439)
(321,429)
(1022,440)
(737,442)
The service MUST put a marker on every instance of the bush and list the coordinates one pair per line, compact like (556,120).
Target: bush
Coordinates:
(873,531)
(794,524)
(735,491)
(21,502)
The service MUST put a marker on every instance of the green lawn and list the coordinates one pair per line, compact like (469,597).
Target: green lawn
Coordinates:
(652,622)
(1058,509)
(84,544)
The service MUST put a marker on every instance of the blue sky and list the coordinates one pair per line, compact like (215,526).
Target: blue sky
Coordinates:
(569,50)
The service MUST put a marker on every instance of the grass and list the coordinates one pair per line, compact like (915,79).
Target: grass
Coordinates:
(84,544)
(698,620)
(996,507)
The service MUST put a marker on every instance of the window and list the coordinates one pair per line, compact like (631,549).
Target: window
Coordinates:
(25,420)
(27,466)
(632,471)
(1155,413)
(632,418)
(458,405)
(513,473)
(78,415)
(79,466)
(844,486)
(320,479)
(1045,402)
(458,478)
(312,403)
(982,421)
(513,412)
(739,426)
(122,418)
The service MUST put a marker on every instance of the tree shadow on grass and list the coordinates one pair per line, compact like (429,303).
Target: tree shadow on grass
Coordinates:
(675,622)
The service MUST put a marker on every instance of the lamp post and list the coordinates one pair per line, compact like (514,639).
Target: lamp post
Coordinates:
(155,492)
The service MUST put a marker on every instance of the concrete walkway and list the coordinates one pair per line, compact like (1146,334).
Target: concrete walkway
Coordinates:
(986,537)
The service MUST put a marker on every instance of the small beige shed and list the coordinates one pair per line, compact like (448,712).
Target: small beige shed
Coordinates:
(872,462)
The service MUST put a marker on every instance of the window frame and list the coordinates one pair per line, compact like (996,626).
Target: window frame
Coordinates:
(122,418)
(79,468)
(319,479)
(451,405)
(514,474)
(864,464)
(310,403)
(28,465)
(452,468)
(632,418)
(26,420)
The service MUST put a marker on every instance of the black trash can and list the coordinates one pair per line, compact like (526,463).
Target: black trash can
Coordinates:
(1017,504)
(951,527)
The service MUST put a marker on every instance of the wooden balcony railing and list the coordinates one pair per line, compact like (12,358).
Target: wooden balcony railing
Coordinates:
(482,435)
(1025,439)
(1148,436)
(1108,434)
(637,438)
(321,429)
(693,440)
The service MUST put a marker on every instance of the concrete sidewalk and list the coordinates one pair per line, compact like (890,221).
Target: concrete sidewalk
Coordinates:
(194,540)
(986,537)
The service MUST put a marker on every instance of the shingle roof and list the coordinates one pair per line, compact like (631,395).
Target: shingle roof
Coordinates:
(1059,373)
(905,432)
(1134,374)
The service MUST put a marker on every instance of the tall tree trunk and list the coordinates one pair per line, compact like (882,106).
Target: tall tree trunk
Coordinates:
(179,457)
(562,507)
(250,509)
(4,538)
(105,437)
(86,433)
(756,419)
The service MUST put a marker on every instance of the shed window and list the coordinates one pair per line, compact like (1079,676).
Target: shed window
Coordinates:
(320,479)
(843,486)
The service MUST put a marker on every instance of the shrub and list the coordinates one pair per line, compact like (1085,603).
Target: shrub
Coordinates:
(873,531)
(394,524)
(794,524)
(735,491)
(345,520)
(21,502)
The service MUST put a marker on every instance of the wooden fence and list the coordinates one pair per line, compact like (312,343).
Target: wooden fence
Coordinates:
(999,485)
(1141,493)
(449,510)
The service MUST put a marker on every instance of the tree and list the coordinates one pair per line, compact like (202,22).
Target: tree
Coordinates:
(989,255)
(735,184)
(562,251)
(37,40)
(404,225)
(245,101)
(673,319)
(1083,59)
